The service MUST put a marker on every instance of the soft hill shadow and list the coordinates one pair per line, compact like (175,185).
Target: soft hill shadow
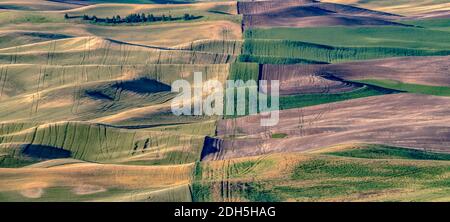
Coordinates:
(142,86)
(44,152)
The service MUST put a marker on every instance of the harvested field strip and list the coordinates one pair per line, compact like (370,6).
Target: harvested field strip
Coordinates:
(99,143)
(90,182)
(55,163)
(85,102)
(178,193)
(14,39)
(411,88)
(25,79)
(95,50)
(275,60)
(329,54)
(11,128)
(114,57)
(221,180)
(197,128)
(216,46)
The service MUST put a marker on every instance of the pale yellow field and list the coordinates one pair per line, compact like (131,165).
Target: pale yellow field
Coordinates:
(90,178)
(37,5)
(106,9)
(174,33)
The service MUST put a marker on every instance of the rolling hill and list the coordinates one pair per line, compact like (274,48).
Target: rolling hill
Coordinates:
(85,104)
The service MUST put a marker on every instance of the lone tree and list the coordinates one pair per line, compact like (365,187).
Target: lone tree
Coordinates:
(66,16)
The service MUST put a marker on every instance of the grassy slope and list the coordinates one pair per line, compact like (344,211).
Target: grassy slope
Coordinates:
(412,88)
(380,174)
(298,101)
(396,37)
(330,54)
(387,152)
(100,143)
(11,39)
(340,44)
(442,24)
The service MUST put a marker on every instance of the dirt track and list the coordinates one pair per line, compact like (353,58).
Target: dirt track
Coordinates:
(406,120)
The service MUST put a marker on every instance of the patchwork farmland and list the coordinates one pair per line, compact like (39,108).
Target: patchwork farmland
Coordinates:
(85,104)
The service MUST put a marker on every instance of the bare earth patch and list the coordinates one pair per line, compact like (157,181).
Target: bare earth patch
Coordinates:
(406,120)
(88,189)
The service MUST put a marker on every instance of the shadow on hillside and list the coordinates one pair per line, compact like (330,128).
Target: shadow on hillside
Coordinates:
(44,152)
(142,86)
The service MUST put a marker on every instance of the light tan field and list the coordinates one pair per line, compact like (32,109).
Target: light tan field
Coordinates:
(174,34)
(219,21)
(106,9)
(84,179)
(37,5)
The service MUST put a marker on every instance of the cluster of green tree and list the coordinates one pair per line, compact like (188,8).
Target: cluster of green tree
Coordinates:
(135,18)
